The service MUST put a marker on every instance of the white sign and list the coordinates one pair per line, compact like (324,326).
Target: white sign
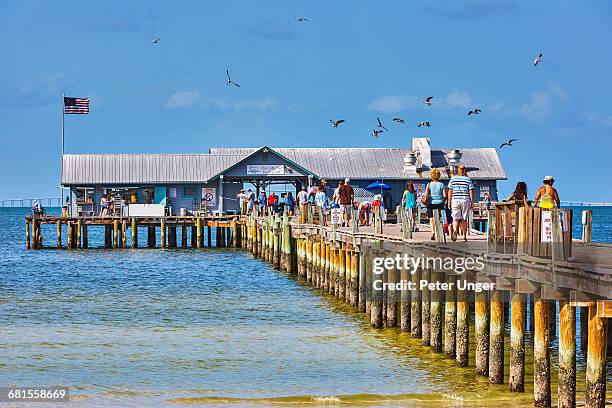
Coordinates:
(484,190)
(210,195)
(336,216)
(266,169)
(546,232)
(146,210)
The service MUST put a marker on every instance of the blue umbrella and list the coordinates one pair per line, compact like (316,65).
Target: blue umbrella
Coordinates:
(378,185)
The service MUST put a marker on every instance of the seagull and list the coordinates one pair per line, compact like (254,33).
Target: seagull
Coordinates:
(336,123)
(427,100)
(508,143)
(301,19)
(399,120)
(380,125)
(538,60)
(155,40)
(474,112)
(229,80)
(376,133)
(424,123)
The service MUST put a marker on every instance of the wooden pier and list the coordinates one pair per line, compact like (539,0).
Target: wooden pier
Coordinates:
(531,280)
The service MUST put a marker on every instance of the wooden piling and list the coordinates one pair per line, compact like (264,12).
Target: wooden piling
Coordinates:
(134,233)
(405,305)
(108,232)
(59,235)
(450,317)
(162,233)
(435,316)
(85,237)
(28,245)
(184,235)
(199,243)
(517,344)
(567,355)
(376,305)
(415,313)
(78,233)
(496,338)
(481,328)
(354,281)
(276,243)
(391,320)
(123,234)
(194,236)
(341,273)
(425,311)
(70,236)
(115,233)
(541,357)
(309,259)
(463,329)
(596,360)
(361,302)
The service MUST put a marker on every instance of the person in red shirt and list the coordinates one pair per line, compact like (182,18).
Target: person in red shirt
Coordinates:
(346,197)
(272,202)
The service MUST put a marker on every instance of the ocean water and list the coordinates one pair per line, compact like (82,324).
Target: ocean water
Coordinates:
(602,223)
(211,327)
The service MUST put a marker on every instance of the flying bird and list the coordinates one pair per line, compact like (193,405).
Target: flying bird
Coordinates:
(336,123)
(474,112)
(229,79)
(399,120)
(380,125)
(376,132)
(508,143)
(538,60)
(301,19)
(155,40)
(424,123)
(427,100)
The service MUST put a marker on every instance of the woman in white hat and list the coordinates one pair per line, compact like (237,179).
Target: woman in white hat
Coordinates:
(547,196)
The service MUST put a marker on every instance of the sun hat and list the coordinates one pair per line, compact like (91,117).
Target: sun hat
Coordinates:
(549,178)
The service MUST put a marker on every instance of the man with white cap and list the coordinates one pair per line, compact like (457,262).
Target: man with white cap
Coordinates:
(346,196)
(547,196)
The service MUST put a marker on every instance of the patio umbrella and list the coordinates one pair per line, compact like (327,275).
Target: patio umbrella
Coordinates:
(378,185)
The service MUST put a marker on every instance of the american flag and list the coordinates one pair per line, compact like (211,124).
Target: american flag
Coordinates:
(76,105)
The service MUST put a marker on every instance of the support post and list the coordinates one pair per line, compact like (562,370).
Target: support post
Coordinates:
(184,234)
(425,311)
(596,360)
(567,355)
(134,233)
(115,233)
(435,316)
(162,233)
(85,236)
(496,339)
(391,299)
(28,246)
(450,317)
(481,328)
(78,233)
(199,232)
(405,302)
(415,313)
(517,344)
(463,329)
(541,357)
(59,234)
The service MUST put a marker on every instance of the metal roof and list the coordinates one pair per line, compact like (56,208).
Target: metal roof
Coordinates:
(380,163)
(88,169)
(330,163)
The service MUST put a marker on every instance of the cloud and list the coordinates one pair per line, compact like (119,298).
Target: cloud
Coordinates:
(182,99)
(458,99)
(41,90)
(543,103)
(393,103)
(259,104)
(122,18)
(597,119)
(471,8)
(269,30)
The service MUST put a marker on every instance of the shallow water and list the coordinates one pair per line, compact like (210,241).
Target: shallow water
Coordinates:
(205,327)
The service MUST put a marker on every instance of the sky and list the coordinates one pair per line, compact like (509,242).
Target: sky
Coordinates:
(354,60)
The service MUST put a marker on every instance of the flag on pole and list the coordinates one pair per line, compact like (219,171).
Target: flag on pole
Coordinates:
(76,105)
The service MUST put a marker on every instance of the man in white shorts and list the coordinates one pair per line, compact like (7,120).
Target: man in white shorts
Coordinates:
(461,201)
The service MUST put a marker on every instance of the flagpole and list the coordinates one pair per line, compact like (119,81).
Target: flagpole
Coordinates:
(62,157)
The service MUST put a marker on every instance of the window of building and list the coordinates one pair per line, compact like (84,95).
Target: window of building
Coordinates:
(189,191)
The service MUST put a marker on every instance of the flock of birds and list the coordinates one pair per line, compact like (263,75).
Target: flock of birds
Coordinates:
(380,128)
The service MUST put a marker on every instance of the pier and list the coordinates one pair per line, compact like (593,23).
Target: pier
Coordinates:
(525,278)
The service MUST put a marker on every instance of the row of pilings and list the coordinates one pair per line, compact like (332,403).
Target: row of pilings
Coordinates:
(441,319)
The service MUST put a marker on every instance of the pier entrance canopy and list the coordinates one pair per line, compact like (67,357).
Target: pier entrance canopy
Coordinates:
(265,167)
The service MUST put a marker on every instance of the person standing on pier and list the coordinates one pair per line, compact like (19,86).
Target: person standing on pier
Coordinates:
(461,199)
(273,203)
(250,199)
(321,201)
(346,196)
(547,196)
(434,199)
(302,201)
(262,200)
(242,201)
(290,204)
(520,194)
(410,203)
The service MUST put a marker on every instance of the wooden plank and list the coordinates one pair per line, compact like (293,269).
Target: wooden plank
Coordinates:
(604,308)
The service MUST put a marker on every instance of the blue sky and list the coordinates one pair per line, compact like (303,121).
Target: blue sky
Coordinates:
(353,60)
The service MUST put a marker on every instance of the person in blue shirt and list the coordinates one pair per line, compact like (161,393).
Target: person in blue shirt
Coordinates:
(434,198)
(410,203)
(290,204)
(461,201)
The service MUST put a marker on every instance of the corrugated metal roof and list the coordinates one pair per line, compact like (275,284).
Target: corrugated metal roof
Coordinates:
(380,163)
(143,168)
(331,163)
